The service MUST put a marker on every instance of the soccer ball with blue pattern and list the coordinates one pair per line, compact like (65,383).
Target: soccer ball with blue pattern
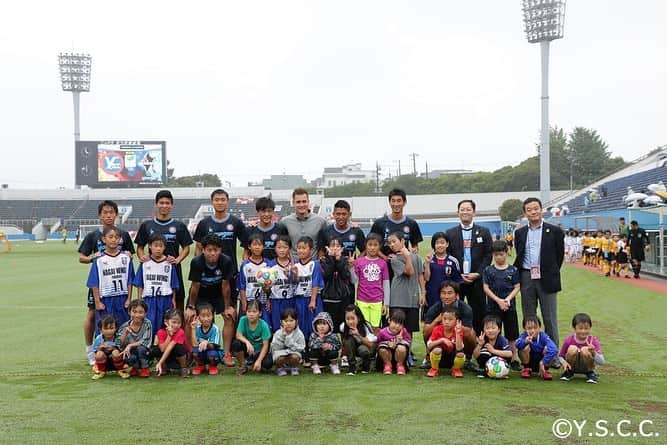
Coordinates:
(497,368)
(266,276)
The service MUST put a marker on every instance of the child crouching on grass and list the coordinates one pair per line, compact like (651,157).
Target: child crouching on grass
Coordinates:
(491,344)
(206,340)
(394,345)
(135,338)
(172,348)
(251,345)
(536,349)
(581,351)
(107,352)
(288,343)
(358,339)
(323,344)
(446,344)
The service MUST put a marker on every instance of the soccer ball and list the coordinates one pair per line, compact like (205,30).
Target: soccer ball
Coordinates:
(497,368)
(266,276)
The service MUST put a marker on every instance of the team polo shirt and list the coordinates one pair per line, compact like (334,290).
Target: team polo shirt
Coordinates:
(352,238)
(269,236)
(229,230)
(385,226)
(92,243)
(502,283)
(210,276)
(175,233)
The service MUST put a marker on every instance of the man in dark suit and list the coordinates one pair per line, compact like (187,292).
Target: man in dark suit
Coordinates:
(539,255)
(471,244)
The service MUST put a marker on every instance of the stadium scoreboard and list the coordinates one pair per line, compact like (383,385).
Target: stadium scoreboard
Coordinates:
(117,164)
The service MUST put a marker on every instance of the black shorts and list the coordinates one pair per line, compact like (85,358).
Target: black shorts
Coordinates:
(447,359)
(611,256)
(621,258)
(411,317)
(509,321)
(534,361)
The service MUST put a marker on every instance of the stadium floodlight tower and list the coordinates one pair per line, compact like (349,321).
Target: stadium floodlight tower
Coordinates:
(543,22)
(75,77)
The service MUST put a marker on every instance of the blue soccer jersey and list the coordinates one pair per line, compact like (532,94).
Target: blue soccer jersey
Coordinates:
(309,275)
(156,278)
(247,279)
(213,335)
(111,274)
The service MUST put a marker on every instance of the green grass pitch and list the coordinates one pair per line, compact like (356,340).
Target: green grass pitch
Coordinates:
(47,396)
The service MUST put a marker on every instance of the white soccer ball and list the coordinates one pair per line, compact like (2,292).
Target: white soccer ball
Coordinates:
(497,368)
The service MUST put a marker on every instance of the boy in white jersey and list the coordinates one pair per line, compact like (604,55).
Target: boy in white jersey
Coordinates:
(249,288)
(157,281)
(310,281)
(110,279)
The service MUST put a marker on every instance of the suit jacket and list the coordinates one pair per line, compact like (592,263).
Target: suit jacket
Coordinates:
(481,251)
(552,253)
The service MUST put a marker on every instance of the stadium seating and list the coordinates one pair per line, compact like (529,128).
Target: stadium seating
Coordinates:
(615,190)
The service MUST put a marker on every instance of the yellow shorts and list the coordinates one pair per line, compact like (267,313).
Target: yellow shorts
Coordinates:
(372,312)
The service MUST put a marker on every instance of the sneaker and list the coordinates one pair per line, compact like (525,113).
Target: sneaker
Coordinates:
(426,363)
(134,372)
(526,372)
(546,375)
(145,372)
(99,375)
(198,370)
(458,373)
(242,370)
(307,364)
(400,369)
(90,355)
(567,375)
(281,372)
(213,370)
(469,366)
(481,373)
(316,369)
(123,374)
(365,368)
(387,369)
(294,370)
(555,363)
(344,363)
(229,361)
(515,366)
(410,362)
(432,372)
(185,372)
(352,370)
(591,377)
(335,369)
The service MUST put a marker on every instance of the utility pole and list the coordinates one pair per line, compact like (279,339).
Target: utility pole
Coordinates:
(426,169)
(377,177)
(414,162)
(399,167)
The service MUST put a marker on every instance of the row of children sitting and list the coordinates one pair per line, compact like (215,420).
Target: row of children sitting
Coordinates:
(198,344)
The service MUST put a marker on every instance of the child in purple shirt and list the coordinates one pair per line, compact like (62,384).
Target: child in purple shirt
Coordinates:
(394,345)
(372,274)
(581,351)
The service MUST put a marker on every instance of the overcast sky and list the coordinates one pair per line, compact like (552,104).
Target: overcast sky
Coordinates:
(245,89)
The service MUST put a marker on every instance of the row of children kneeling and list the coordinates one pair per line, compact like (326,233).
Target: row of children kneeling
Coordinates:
(197,344)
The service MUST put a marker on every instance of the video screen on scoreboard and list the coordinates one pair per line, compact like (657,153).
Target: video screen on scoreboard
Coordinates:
(130,163)
(121,163)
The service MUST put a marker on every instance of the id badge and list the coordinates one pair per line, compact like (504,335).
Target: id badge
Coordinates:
(535,273)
